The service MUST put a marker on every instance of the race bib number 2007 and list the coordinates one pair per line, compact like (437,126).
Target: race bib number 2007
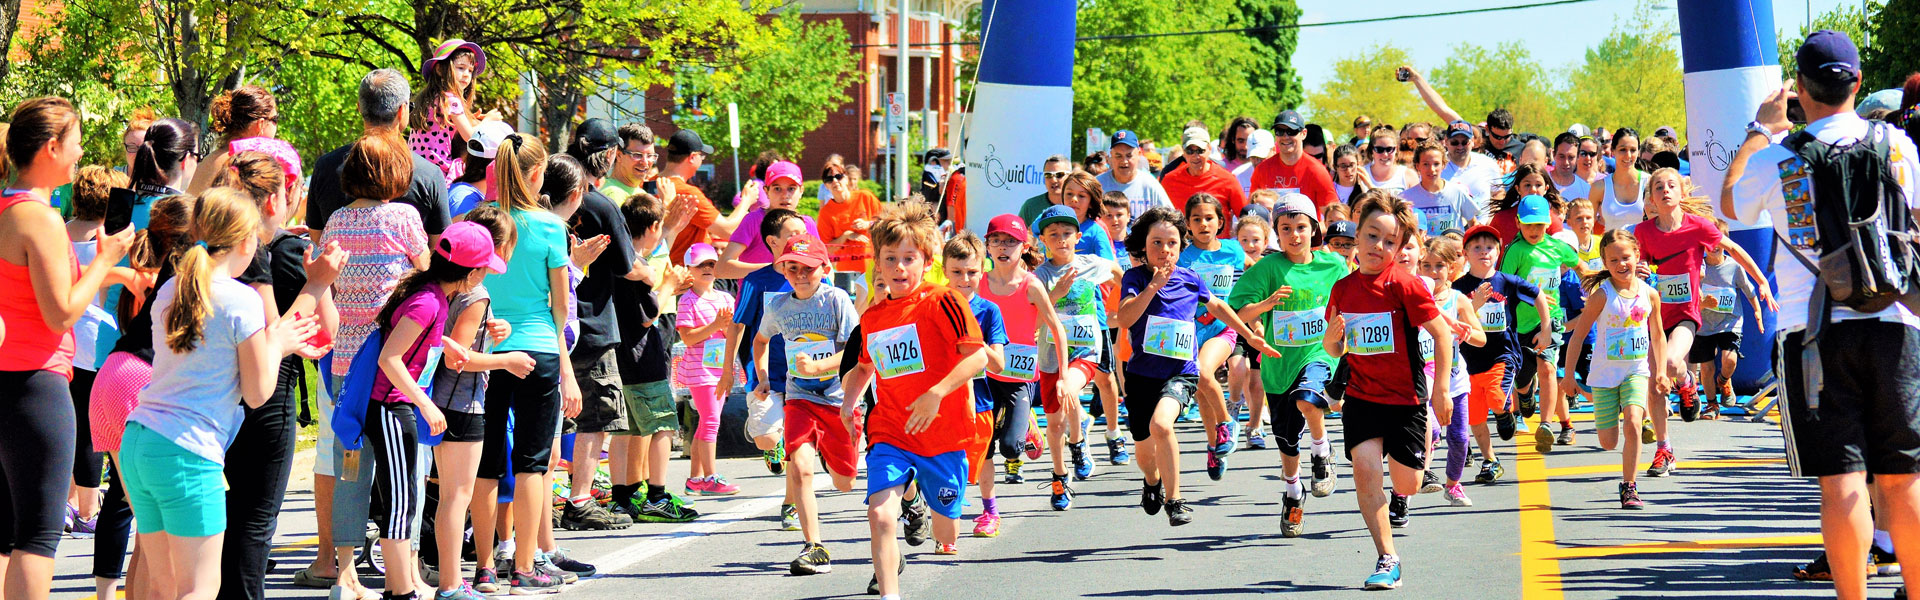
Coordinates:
(897,351)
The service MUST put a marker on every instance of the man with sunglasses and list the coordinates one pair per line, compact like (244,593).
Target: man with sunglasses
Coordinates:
(1501,140)
(1053,172)
(1291,170)
(1472,171)
(1143,191)
(1200,174)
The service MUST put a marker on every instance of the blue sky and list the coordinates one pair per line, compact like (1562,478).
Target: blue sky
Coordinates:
(1557,35)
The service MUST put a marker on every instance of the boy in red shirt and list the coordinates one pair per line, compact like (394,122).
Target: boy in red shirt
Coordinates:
(922,420)
(1373,317)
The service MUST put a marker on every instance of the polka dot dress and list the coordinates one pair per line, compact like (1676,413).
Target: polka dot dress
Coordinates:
(435,143)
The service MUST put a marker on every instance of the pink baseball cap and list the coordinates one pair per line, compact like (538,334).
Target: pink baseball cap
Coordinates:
(701,253)
(469,244)
(784,170)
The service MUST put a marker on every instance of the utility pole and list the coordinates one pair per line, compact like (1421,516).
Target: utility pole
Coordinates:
(901,72)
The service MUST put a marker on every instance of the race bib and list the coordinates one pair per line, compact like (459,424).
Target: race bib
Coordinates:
(1545,278)
(1169,338)
(1426,348)
(897,351)
(1723,297)
(1493,316)
(1295,328)
(713,354)
(1219,278)
(425,381)
(1674,289)
(1369,333)
(1627,343)
(816,350)
(1439,218)
(1020,361)
(1082,330)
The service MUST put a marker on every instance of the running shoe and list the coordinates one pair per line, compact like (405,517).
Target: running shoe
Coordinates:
(813,560)
(919,520)
(1815,570)
(1646,433)
(776,457)
(1216,464)
(1490,471)
(464,592)
(1233,434)
(1662,463)
(719,486)
(1457,496)
(873,584)
(1322,475)
(1397,511)
(1082,466)
(986,525)
(1386,574)
(1034,446)
(1178,513)
(1062,495)
(543,563)
(1257,439)
(1566,436)
(1013,471)
(945,549)
(1520,425)
(1191,414)
(1293,512)
(789,517)
(591,517)
(558,557)
(1223,439)
(1504,423)
(1882,563)
(664,510)
(1151,497)
(1727,397)
(535,583)
(1630,496)
(1689,402)
(485,581)
(83,529)
(1430,483)
(1527,405)
(1543,439)
(1117,452)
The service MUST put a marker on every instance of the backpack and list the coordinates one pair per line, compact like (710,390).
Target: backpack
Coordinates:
(356,391)
(1867,240)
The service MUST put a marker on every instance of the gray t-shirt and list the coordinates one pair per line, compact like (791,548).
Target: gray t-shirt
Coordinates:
(457,391)
(1082,313)
(818,326)
(1450,208)
(1143,193)
(1729,286)
(194,397)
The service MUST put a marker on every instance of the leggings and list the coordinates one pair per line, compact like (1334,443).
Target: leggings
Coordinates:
(86,462)
(259,462)
(1012,408)
(1459,444)
(114,530)
(394,446)
(706,400)
(35,452)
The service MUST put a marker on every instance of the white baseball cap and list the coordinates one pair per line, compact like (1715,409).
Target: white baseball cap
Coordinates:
(487,138)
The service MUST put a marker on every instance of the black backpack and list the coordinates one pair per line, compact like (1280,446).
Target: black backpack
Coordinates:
(1867,240)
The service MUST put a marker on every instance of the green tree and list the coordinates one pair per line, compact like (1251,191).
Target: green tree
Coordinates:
(1476,79)
(1845,18)
(92,65)
(1894,53)
(1632,78)
(1273,77)
(799,75)
(1365,84)
(1153,86)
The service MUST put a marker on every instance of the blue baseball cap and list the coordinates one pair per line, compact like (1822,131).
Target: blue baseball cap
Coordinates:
(1830,55)
(1057,213)
(1125,137)
(1533,210)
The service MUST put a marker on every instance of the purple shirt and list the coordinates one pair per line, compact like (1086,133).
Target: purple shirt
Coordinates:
(748,235)
(428,308)
(1163,337)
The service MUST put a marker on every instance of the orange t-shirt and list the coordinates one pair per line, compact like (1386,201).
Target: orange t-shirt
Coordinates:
(836,218)
(957,200)
(703,217)
(912,342)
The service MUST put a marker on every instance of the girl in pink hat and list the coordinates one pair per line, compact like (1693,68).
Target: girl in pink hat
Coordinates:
(440,119)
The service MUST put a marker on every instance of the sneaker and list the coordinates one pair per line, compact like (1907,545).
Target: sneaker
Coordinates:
(1662,463)
(1630,496)
(1233,434)
(306,579)
(664,510)
(1815,570)
(1386,574)
(1178,513)
(776,458)
(1490,471)
(919,520)
(1082,466)
(1543,439)
(1013,471)
(1397,511)
(986,525)
(1322,475)
(719,486)
(1881,563)
(464,592)
(1646,433)
(873,584)
(1117,452)
(1520,425)
(1151,497)
(630,507)
(1503,422)
(1062,495)
(946,549)
(1034,447)
(534,583)
(1527,405)
(1293,514)
(1216,464)
(1257,439)
(789,517)
(1457,496)
(559,558)
(1689,402)
(813,560)
(1727,398)
(1223,439)
(543,563)
(591,517)
(1430,483)
(1566,436)
(83,529)
(1191,414)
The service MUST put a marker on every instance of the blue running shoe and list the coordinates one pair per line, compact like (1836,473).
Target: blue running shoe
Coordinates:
(1224,439)
(1216,464)
(1117,452)
(1062,495)
(1191,414)
(1082,465)
(1386,574)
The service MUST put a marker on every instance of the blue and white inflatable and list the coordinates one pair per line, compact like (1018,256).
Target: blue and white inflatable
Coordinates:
(1023,103)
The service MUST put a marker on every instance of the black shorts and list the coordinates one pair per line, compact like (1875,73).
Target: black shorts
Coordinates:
(1241,349)
(1707,348)
(1143,395)
(1107,360)
(534,402)
(464,427)
(1868,417)
(1401,429)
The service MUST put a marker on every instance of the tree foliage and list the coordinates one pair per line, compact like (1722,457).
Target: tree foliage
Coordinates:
(775,112)
(1476,79)
(1845,18)
(1365,84)
(1273,77)
(1895,53)
(1632,78)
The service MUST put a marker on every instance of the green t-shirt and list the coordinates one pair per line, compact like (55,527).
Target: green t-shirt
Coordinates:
(1032,208)
(1540,265)
(616,191)
(1296,326)
(520,295)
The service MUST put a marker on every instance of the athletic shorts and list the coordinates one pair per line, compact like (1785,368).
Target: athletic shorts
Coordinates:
(1609,403)
(942,478)
(602,405)
(174,491)
(464,427)
(1241,349)
(1489,392)
(982,448)
(649,408)
(1144,394)
(1283,408)
(818,424)
(1401,429)
(1868,418)
(1707,348)
(1050,400)
(1106,362)
(766,417)
(534,403)
(1205,332)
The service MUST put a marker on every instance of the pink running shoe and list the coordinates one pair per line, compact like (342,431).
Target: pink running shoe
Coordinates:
(1034,447)
(946,549)
(719,486)
(986,525)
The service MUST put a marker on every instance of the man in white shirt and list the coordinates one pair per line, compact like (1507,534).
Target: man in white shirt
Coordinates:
(1472,171)
(1143,191)
(1862,413)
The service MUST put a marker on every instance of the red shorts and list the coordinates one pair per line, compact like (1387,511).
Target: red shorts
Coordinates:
(1050,383)
(982,443)
(820,425)
(1489,392)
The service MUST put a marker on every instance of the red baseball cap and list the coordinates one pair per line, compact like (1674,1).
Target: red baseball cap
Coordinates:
(1479,230)
(1010,225)
(804,249)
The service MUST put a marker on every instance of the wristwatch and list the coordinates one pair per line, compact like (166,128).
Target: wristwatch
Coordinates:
(1757,127)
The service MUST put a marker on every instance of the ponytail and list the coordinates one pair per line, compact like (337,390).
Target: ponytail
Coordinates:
(514,167)
(223,219)
(168,142)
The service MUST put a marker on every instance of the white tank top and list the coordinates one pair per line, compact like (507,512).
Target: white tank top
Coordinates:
(1621,341)
(1458,384)
(1616,214)
(1395,183)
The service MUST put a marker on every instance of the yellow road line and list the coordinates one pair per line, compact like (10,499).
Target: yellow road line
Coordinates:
(1686,465)
(1539,562)
(293,546)
(1811,539)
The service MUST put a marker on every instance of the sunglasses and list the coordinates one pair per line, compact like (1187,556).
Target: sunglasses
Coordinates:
(1499,136)
(1360,125)
(832,177)
(1418,141)
(1055,174)
(1282,132)
(640,155)
(1384,149)
(1194,150)
(1458,141)
(1589,153)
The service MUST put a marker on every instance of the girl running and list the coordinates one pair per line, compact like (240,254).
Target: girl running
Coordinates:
(703,313)
(1219,266)
(1074,281)
(1255,236)
(1628,354)
(441,122)
(1440,263)
(1159,300)
(1028,313)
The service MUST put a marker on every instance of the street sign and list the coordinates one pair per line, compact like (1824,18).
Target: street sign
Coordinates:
(896,113)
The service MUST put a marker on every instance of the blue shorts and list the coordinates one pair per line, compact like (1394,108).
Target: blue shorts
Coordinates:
(173,490)
(1310,385)
(942,479)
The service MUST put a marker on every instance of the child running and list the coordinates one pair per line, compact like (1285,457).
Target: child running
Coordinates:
(1371,317)
(1440,264)
(1288,290)
(1621,306)
(1074,281)
(1158,302)
(704,312)
(1538,258)
(1025,310)
(1491,367)
(963,259)
(1219,266)
(1717,347)
(922,420)
(1255,236)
